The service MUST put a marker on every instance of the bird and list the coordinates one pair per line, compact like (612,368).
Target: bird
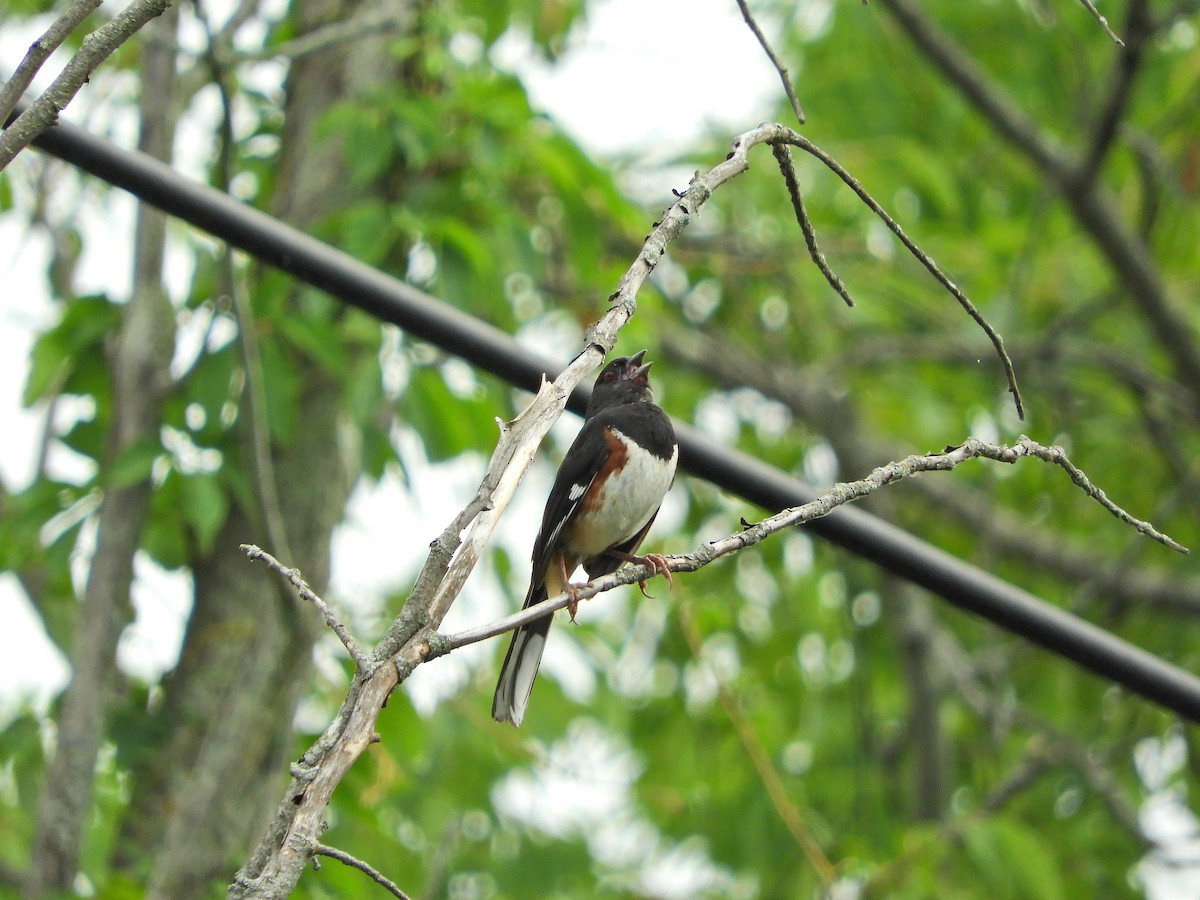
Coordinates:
(605,497)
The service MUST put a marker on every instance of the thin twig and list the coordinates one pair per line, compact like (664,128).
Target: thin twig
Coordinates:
(784,157)
(1025,446)
(1093,208)
(808,393)
(838,495)
(361,660)
(1091,7)
(1126,68)
(791,137)
(783,73)
(355,863)
(39,52)
(96,48)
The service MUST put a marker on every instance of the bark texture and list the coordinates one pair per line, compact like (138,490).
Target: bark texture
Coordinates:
(204,794)
(139,366)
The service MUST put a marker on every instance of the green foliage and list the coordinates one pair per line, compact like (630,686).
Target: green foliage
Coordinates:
(808,670)
(69,358)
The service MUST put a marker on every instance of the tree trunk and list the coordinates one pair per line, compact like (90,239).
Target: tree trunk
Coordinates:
(139,367)
(227,708)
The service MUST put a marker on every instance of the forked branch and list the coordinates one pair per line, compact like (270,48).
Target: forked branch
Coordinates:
(96,48)
(838,495)
(276,865)
(785,136)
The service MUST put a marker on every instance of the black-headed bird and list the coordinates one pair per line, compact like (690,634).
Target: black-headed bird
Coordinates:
(604,499)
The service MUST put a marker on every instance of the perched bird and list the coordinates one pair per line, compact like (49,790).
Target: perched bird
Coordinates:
(604,499)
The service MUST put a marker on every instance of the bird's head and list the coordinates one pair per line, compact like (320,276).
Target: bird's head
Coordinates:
(624,380)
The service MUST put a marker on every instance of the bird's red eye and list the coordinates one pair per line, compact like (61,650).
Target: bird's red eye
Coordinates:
(610,376)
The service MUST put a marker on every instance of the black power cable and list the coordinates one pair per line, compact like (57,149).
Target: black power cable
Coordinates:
(424,316)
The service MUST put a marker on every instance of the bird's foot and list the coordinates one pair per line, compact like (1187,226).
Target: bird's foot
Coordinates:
(655,561)
(572,593)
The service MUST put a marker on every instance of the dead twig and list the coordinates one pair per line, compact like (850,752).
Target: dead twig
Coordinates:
(96,48)
(1091,7)
(355,863)
(39,51)
(838,495)
(361,659)
(783,72)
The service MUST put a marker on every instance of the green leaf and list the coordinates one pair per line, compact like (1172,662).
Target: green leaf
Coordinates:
(79,333)
(133,464)
(1012,860)
(366,146)
(368,231)
(211,385)
(448,424)
(86,437)
(164,534)
(48,364)
(282,388)
(318,341)
(205,506)
(453,236)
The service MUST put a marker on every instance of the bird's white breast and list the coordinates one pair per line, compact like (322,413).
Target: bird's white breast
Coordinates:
(627,500)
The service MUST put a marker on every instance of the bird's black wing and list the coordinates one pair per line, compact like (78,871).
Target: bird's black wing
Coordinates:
(579,468)
(519,669)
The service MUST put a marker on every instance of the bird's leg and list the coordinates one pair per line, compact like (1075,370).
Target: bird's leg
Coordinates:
(569,589)
(656,561)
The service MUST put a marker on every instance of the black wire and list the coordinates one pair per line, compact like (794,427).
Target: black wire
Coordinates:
(424,316)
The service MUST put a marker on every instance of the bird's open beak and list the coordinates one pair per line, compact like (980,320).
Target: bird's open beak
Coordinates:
(634,369)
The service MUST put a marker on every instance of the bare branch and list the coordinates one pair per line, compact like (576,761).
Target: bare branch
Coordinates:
(787,136)
(361,660)
(1055,455)
(39,52)
(275,867)
(96,48)
(1091,7)
(911,465)
(784,158)
(813,396)
(783,73)
(355,863)
(838,495)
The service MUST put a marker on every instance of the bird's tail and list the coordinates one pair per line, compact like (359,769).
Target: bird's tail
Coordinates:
(520,666)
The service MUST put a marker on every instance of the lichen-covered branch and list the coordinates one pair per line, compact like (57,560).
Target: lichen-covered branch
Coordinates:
(96,48)
(838,495)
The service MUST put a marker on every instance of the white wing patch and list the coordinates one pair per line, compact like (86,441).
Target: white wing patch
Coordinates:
(577,491)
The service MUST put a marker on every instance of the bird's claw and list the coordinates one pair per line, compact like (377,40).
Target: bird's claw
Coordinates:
(658,562)
(655,561)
